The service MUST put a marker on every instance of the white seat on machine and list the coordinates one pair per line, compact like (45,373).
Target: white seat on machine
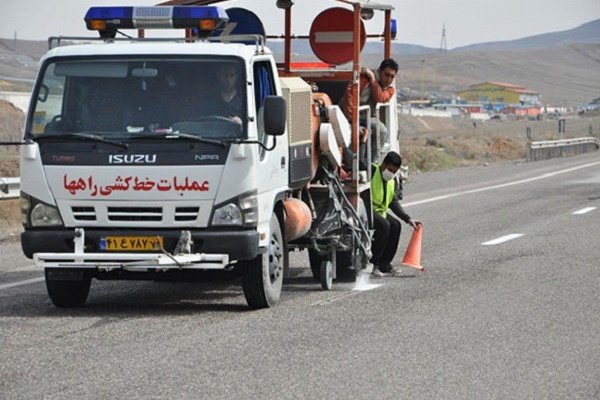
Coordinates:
(329,145)
(341,126)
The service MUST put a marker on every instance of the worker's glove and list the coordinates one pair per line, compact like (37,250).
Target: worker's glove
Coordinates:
(414,223)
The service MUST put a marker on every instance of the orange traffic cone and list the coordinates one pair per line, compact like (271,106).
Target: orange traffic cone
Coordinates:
(412,257)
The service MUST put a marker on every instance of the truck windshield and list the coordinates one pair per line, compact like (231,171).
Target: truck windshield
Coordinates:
(130,97)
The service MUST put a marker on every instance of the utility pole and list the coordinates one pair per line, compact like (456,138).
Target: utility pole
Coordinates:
(422,78)
(443,43)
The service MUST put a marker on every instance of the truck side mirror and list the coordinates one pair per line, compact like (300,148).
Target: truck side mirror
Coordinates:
(274,115)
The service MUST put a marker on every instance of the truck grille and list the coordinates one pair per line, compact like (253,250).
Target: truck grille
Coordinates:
(84,213)
(186,213)
(134,213)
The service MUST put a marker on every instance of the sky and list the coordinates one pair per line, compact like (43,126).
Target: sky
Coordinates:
(419,21)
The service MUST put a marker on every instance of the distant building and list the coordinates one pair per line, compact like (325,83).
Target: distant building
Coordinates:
(505,98)
(530,111)
(498,92)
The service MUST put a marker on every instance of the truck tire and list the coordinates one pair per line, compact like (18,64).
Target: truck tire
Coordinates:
(263,276)
(68,293)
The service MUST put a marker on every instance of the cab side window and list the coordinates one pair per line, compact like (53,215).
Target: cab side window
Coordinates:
(264,86)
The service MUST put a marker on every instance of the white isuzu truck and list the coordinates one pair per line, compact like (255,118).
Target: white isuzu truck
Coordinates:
(134,166)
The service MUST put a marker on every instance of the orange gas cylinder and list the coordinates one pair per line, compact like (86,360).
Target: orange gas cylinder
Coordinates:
(297,218)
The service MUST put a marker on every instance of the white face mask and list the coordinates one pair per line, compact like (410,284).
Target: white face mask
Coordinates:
(387,175)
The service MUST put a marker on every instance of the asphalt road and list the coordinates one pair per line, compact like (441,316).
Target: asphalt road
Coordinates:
(512,319)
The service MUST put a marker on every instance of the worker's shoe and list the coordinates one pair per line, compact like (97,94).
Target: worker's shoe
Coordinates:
(395,271)
(385,268)
(377,273)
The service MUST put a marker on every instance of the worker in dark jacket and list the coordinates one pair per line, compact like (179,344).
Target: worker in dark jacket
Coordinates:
(374,87)
(384,194)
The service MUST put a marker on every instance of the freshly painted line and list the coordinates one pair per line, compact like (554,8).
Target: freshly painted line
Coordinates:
(502,239)
(366,287)
(584,210)
(333,299)
(21,283)
(500,186)
(359,287)
(363,283)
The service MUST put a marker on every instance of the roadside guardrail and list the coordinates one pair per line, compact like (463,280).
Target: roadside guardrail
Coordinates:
(546,149)
(9,188)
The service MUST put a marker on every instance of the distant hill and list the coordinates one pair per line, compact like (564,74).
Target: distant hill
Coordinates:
(33,49)
(301,48)
(586,33)
(19,63)
(563,75)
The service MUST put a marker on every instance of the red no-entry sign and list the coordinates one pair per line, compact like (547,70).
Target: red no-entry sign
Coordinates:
(331,35)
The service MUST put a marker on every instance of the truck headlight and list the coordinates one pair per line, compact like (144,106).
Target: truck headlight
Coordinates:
(45,215)
(240,211)
(229,214)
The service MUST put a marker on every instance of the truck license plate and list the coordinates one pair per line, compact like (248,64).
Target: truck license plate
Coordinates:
(131,243)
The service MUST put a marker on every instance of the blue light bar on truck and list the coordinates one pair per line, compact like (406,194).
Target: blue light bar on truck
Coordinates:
(204,18)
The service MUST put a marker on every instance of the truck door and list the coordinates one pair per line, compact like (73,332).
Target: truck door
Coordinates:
(273,165)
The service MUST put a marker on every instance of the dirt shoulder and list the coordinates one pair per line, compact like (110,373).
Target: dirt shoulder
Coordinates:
(429,143)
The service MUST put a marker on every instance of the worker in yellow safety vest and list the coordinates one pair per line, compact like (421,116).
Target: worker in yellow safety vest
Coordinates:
(385,194)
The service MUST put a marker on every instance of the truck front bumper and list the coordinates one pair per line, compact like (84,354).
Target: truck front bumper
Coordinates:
(219,247)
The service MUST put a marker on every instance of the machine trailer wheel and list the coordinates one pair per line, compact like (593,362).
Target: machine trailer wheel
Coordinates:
(263,276)
(349,262)
(326,275)
(68,293)
(345,271)
(315,260)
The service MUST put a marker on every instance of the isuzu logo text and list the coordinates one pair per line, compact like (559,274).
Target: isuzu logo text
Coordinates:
(132,158)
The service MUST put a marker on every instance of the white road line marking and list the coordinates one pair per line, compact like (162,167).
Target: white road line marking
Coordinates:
(333,299)
(21,283)
(367,287)
(500,186)
(361,286)
(363,283)
(502,239)
(584,210)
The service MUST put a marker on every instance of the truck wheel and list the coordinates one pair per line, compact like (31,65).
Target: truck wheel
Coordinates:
(263,276)
(326,276)
(68,293)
